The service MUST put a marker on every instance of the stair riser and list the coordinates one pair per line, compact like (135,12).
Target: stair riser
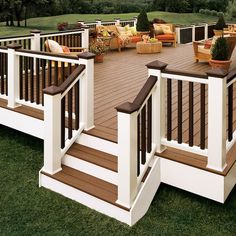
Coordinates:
(86,199)
(91,169)
(98,143)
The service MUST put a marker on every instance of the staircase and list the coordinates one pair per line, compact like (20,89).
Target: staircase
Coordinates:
(90,176)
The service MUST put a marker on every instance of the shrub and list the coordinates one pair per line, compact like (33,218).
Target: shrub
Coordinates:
(207,11)
(220,25)
(142,23)
(214,13)
(202,11)
(220,50)
(220,13)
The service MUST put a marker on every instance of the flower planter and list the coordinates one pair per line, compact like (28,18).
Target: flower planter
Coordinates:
(220,64)
(99,58)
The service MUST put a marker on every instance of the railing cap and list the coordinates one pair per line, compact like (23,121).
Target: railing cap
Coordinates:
(14,46)
(86,55)
(127,108)
(35,31)
(158,65)
(218,73)
(52,90)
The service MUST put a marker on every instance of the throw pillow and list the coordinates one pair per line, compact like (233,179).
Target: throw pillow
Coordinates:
(166,29)
(157,29)
(65,49)
(133,30)
(54,47)
(105,33)
(127,27)
(120,29)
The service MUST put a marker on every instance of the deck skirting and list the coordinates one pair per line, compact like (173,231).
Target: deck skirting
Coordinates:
(22,122)
(201,182)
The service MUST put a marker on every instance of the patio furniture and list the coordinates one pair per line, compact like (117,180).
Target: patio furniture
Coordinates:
(120,36)
(143,47)
(165,33)
(202,51)
(54,47)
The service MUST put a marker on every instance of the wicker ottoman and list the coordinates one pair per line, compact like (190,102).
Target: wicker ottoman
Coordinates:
(142,47)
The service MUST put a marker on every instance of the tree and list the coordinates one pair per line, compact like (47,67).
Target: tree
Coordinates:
(143,23)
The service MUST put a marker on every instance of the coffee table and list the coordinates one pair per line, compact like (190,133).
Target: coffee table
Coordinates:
(142,47)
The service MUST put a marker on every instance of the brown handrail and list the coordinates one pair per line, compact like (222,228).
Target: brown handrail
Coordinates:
(53,90)
(140,98)
(63,55)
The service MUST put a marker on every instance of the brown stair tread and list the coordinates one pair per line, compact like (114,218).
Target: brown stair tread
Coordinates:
(94,156)
(88,184)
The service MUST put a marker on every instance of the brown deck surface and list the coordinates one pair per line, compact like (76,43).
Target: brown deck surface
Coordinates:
(120,77)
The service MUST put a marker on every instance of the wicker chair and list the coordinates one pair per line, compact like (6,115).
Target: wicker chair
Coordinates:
(204,54)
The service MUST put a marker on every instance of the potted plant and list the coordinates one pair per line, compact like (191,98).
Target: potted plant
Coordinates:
(220,25)
(98,48)
(220,54)
(143,25)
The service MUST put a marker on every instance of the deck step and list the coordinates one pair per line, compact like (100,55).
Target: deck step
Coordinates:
(88,184)
(93,156)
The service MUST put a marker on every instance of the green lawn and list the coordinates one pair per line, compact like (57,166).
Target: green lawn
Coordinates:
(48,24)
(26,209)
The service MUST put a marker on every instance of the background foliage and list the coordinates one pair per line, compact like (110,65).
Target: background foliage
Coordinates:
(17,10)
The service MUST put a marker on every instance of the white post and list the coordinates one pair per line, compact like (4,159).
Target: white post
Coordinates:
(206,32)
(85,38)
(193,33)
(135,21)
(35,41)
(87,90)
(13,75)
(98,22)
(217,120)
(177,30)
(52,129)
(117,21)
(159,126)
(127,155)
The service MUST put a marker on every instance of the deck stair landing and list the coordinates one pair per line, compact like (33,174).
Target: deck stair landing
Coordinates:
(90,177)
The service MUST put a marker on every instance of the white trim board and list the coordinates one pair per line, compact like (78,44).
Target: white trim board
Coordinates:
(21,122)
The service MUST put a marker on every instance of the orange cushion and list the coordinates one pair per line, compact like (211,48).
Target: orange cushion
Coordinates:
(165,37)
(135,39)
(65,49)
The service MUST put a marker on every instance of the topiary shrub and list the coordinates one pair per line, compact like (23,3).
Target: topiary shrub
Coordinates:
(220,50)
(220,25)
(142,23)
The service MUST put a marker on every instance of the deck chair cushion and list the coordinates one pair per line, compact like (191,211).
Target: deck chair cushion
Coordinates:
(54,47)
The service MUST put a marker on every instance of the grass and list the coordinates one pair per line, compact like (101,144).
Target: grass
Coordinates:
(26,209)
(49,24)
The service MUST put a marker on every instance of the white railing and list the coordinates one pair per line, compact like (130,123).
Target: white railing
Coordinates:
(36,40)
(200,102)
(56,142)
(190,33)
(116,21)
(3,73)
(136,141)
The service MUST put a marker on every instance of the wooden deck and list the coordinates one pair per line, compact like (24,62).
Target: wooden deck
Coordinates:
(122,75)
